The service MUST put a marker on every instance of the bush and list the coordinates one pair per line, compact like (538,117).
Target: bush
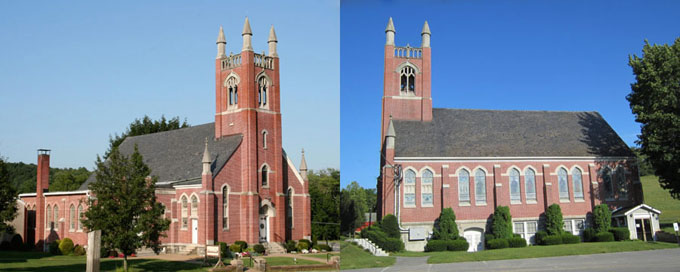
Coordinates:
(307,241)
(235,248)
(435,245)
(602,218)
(324,247)
(517,242)
(224,250)
(390,226)
(457,245)
(501,226)
(589,235)
(604,237)
(66,246)
(488,237)
(620,234)
(552,240)
(383,241)
(540,237)
(54,247)
(259,248)
(16,243)
(568,238)
(554,224)
(243,245)
(302,245)
(290,246)
(498,243)
(5,245)
(314,240)
(445,227)
(79,250)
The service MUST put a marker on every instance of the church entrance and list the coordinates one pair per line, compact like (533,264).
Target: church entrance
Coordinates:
(264,224)
(475,239)
(194,231)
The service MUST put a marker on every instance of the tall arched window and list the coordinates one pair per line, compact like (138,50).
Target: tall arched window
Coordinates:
(514,186)
(426,188)
(80,216)
(606,175)
(48,218)
(408,80)
(577,180)
(621,182)
(265,176)
(56,216)
(530,184)
(563,184)
(480,186)
(225,207)
(72,217)
(264,139)
(194,206)
(185,212)
(410,188)
(463,186)
(232,89)
(262,87)
(289,208)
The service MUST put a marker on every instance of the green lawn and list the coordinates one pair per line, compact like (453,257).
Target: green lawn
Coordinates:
(38,261)
(321,256)
(537,251)
(273,261)
(660,199)
(353,257)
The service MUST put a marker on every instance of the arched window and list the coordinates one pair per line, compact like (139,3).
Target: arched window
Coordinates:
(606,175)
(265,176)
(262,87)
(289,208)
(514,186)
(408,80)
(464,186)
(185,212)
(577,180)
(232,89)
(480,186)
(426,188)
(530,184)
(80,216)
(264,139)
(563,184)
(72,217)
(48,218)
(194,206)
(621,182)
(410,188)
(56,216)
(225,207)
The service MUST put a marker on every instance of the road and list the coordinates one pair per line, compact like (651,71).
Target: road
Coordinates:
(651,260)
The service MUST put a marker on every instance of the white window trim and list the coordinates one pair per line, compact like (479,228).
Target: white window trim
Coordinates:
(423,186)
(413,185)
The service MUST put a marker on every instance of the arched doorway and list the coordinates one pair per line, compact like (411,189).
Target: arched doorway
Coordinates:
(266,213)
(475,238)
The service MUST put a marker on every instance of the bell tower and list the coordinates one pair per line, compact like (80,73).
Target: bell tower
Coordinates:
(407,80)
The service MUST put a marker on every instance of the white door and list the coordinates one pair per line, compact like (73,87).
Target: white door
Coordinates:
(475,239)
(263,228)
(194,231)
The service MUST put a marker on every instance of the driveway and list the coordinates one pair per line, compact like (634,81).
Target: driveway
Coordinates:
(651,260)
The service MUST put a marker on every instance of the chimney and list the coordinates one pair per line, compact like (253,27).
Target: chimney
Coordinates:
(43,171)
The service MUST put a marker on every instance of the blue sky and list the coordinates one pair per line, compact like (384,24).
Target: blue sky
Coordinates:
(516,55)
(71,74)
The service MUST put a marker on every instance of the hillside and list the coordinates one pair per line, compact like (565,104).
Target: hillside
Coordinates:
(23,177)
(660,199)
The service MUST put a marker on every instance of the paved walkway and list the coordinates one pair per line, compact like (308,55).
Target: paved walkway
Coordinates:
(651,260)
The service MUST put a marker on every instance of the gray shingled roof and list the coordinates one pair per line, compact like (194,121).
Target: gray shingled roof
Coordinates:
(502,133)
(176,155)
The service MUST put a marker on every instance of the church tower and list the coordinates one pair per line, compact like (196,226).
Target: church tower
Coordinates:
(407,80)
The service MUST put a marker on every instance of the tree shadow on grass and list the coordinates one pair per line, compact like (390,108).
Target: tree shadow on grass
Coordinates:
(112,264)
(21,256)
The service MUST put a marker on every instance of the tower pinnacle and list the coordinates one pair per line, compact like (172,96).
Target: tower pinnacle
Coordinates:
(247,36)
(425,35)
(389,33)
(221,44)
(272,42)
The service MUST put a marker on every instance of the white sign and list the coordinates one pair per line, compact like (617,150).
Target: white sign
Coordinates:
(675,226)
(213,251)
(415,234)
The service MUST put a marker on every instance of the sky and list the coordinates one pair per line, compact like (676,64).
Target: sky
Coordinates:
(505,55)
(72,74)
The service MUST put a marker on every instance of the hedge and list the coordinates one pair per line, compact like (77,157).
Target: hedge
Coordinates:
(435,245)
(498,243)
(290,246)
(324,247)
(390,226)
(620,234)
(604,237)
(66,246)
(568,238)
(552,240)
(306,241)
(383,241)
(5,245)
(54,248)
(243,245)
(302,245)
(457,245)
(553,220)
(235,248)
(589,235)
(540,237)
(517,242)
(602,218)
(79,250)
(224,250)
(259,248)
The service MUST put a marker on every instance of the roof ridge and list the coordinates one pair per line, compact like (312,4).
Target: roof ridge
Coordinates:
(170,131)
(563,111)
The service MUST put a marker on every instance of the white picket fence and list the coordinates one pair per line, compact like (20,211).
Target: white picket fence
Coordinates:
(370,246)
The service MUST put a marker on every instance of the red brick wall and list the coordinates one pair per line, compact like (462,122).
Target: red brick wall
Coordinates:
(62,227)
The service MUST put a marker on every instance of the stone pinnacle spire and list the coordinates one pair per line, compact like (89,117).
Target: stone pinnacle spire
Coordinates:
(272,42)
(390,136)
(389,33)
(390,26)
(246,28)
(425,35)
(303,166)
(247,36)
(426,28)
(221,44)
(206,153)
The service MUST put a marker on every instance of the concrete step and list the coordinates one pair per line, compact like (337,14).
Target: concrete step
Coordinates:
(274,248)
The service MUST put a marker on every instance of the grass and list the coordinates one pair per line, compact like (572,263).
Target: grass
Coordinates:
(39,261)
(538,251)
(321,256)
(660,199)
(274,261)
(354,257)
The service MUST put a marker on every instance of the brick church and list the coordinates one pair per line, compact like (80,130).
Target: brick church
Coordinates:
(223,181)
(475,160)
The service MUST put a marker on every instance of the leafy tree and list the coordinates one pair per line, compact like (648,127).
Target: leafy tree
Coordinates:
(553,220)
(644,167)
(390,226)
(8,195)
(324,192)
(602,218)
(445,227)
(655,101)
(68,179)
(501,226)
(124,207)
(145,126)
(356,202)
(349,213)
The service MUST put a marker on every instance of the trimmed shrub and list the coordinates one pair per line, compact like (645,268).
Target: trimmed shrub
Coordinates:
(568,238)
(488,237)
(302,245)
(517,242)
(436,245)
(501,227)
(290,246)
(54,248)
(604,237)
(259,248)
(445,227)
(5,245)
(390,226)
(79,250)
(66,246)
(16,243)
(540,237)
(602,218)
(383,241)
(553,220)
(498,243)
(324,247)
(224,250)
(243,244)
(457,245)
(589,235)
(552,240)
(620,234)
(306,241)
(235,248)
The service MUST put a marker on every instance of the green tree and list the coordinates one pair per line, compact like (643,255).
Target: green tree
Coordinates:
(553,220)
(655,101)
(602,218)
(324,191)
(390,226)
(8,196)
(68,179)
(349,213)
(644,167)
(501,226)
(124,207)
(145,126)
(445,227)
